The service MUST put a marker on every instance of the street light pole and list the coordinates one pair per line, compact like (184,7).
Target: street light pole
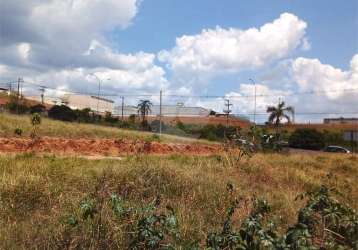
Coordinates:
(254,100)
(99,90)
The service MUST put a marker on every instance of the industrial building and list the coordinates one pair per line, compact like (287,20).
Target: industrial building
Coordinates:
(94,103)
(167,110)
(340,120)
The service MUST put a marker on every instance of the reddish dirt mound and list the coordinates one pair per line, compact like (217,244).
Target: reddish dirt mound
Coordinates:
(102,147)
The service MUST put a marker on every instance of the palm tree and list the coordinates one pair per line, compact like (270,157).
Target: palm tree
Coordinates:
(278,113)
(144,107)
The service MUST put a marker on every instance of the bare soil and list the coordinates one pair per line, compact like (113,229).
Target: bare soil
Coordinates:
(97,147)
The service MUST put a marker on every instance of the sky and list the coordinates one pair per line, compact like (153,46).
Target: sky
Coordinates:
(189,48)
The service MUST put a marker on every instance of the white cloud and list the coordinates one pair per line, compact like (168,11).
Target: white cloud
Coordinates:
(243,99)
(58,43)
(220,50)
(311,74)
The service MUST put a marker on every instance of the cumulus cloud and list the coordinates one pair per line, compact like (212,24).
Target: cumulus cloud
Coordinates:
(311,74)
(61,42)
(59,31)
(220,50)
(243,99)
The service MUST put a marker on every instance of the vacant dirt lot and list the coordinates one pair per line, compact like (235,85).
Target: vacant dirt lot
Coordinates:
(102,146)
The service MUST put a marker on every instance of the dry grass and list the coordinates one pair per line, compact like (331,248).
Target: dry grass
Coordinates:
(49,127)
(37,193)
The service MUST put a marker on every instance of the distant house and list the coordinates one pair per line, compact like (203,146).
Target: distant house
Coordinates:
(340,120)
(94,103)
(5,90)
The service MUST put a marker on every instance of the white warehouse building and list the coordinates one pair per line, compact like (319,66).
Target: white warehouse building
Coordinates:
(167,110)
(94,103)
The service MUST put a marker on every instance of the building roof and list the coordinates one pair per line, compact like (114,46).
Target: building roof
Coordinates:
(102,99)
(342,119)
(167,110)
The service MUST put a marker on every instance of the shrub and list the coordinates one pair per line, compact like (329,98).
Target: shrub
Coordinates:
(38,108)
(216,132)
(132,119)
(155,126)
(322,223)
(62,113)
(84,115)
(306,138)
(155,137)
(17,105)
(109,118)
(18,131)
(35,122)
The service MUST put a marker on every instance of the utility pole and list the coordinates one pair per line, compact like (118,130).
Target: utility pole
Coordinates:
(42,89)
(99,89)
(160,113)
(227,111)
(122,108)
(293,116)
(98,95)
(10,87)
(18,87)
(19,80)
(254,100)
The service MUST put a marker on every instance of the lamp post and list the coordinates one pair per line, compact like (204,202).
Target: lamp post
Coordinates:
(254,100)
(99,89)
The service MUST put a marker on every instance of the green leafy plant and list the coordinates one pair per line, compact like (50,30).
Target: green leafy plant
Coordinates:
(35,122)
(323,223)
(118,207)
(155,230)
(18,131)
(88,209)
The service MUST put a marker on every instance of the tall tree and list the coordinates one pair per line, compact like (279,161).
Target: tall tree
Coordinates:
(144,107)
(278,113)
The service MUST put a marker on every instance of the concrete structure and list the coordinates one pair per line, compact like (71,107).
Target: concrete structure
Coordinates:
(91,102)
(340,120)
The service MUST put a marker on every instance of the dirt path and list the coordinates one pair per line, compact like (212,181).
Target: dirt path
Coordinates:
(105,147)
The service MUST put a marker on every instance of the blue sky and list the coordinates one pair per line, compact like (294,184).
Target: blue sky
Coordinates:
(201,47)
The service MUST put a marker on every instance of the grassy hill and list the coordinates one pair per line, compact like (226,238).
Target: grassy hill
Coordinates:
(41,196)
(49,127)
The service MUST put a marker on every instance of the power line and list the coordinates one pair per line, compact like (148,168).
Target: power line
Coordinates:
(304,113)
(312,92)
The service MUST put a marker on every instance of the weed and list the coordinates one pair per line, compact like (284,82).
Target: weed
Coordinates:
(18,131)
(323,223)
(35,122)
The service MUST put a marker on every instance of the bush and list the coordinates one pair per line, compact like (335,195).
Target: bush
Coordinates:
(35,122)
(62,113)
(109,118)
(16,105)
(38,108)
(322,223)
(18,131)
(306,138)
(216,132)
(84,115)
(155,126)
